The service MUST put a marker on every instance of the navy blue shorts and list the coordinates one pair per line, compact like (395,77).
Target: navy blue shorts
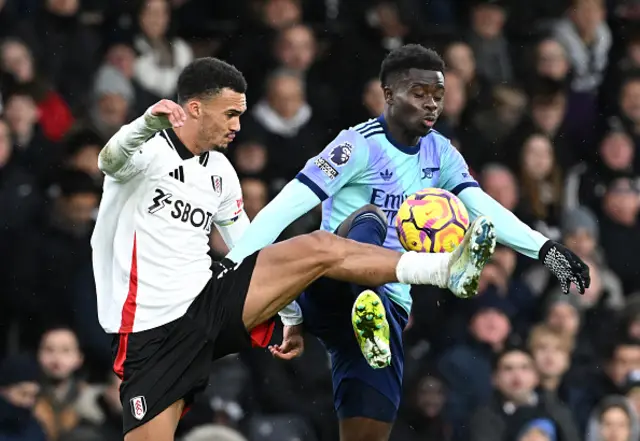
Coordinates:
(358,389)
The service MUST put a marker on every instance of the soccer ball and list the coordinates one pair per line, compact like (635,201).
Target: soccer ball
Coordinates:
(432,221)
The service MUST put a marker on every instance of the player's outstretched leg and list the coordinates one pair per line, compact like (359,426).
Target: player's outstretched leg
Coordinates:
(284,270)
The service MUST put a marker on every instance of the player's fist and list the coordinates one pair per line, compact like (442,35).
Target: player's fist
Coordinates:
(173,112)
(292,344)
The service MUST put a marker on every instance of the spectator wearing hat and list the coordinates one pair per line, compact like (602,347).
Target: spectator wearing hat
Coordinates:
(466,367)
(18,392)
(517,401)
(541,429)
(114,98)
(613,420)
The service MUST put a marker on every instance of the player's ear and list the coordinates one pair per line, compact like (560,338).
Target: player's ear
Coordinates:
(388,95)
(194,108)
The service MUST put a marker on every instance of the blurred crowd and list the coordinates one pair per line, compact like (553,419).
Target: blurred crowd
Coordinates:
(542,99)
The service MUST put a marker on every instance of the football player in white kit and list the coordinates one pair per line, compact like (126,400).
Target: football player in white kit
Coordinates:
(170,311)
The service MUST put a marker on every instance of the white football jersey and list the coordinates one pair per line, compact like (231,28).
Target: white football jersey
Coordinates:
(151,238)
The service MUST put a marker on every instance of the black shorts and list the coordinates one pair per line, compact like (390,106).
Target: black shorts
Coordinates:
(165,364)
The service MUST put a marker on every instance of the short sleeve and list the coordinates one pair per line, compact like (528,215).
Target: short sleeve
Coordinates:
(341,162)
(454,171)
(232,203)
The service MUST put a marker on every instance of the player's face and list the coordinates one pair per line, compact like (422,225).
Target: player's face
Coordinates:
(220,119)
(416,100)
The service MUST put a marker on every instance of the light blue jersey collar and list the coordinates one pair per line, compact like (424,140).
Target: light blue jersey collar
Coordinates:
(408,149)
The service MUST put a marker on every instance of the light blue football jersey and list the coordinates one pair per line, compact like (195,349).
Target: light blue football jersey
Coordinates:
(365,165)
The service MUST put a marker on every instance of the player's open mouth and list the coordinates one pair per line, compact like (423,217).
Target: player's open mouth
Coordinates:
(429,122)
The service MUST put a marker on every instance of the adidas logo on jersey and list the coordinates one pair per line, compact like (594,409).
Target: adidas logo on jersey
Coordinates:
(386,175)
(178,174)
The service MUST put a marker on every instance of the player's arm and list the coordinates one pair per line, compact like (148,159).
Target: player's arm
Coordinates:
(117,158)
(510,230)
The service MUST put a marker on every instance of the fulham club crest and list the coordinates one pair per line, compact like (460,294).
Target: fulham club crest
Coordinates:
(138,407)
(216,181)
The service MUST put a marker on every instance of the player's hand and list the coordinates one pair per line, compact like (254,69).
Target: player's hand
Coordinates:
(173,112)
(566,266)
(292,344)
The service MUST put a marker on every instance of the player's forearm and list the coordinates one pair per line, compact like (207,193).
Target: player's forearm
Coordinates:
(293,201)
(128,140)
(511,230)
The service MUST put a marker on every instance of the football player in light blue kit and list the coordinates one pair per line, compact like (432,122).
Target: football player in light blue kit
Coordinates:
(361,178)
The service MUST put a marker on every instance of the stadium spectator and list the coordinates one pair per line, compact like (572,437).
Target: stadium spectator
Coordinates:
(516,402)
(54,26)
(620,231)
(422,418)
(490,47)
(613,420)
(82,148)
(631,390)
(541,179)
(255,195)
(586,37)
(60,359)
(466,367)
(19,389)
(286,121)
(161,57)
(251,159)
(551,60)
(586,183)
(629,102)
(498,181)
(551,352)
(121,55)
(18,63)
(32,150)
(296,49)
(459,57)
(113,101)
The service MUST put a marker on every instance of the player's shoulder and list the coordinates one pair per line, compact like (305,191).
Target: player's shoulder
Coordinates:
(359,135)
(438,137)
(217,163)
(368,129)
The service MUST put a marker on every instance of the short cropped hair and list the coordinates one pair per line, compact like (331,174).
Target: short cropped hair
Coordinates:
(410,56)
(541,331)
(206,77)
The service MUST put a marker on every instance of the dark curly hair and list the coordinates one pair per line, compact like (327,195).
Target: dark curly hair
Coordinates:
(410,56)
(206,77)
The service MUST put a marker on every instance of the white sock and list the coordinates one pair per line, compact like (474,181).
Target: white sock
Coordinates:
(424,269)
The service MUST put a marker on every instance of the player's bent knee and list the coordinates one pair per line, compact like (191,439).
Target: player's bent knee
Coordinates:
(374,209)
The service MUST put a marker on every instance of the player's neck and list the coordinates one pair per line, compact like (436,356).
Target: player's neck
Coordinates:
(399,134)
(188,138)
